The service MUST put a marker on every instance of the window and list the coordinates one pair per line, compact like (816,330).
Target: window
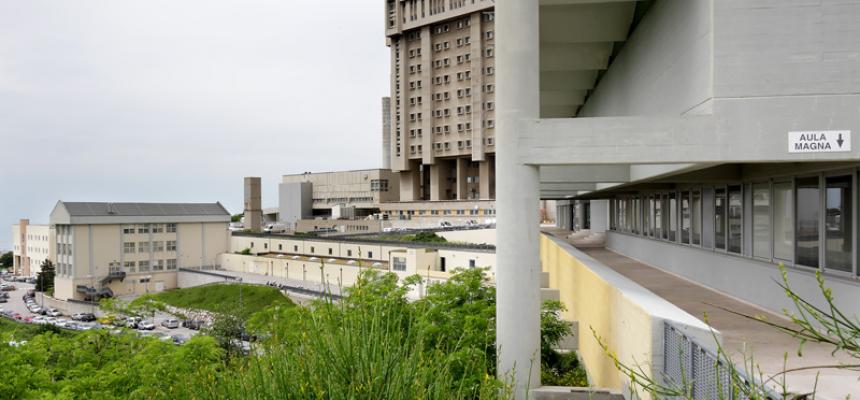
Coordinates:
(330,251)
(143,229)
(171,228)
(808,217)
(143,247)
(442,264)
(736,212)
(369,254)
(171,263)
(398,263)
(349,253)
(761,204)
(720,219)
(837,223)
(472,263)
(157,228)
(685,217)
(128,248)
(129,266)
(128,230)
(696,223)
(648,207)
(158,265)
(158,246)
(296,248)
(171,245)
(783,221)
(143,266)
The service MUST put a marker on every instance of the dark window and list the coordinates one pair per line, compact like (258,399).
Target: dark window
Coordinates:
(720,219)
(673,217)
(442,264)
(471,263)
(736,212)
(685,217)
(696,218)
(837,223)
(808,212)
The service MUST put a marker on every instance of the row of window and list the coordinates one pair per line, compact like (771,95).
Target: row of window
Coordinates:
(379,185)
(37,237)
(471,179)
(147,228)
(146,266)
(340,200)
(806,221)
(330,251)
(145,247)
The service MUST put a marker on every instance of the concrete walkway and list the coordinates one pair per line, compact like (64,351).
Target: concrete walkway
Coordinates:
(741,336)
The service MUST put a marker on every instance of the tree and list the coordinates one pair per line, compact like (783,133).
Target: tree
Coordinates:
(45,278)
(6,260)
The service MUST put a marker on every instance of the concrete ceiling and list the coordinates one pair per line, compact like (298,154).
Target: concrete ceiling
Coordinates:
(578,41)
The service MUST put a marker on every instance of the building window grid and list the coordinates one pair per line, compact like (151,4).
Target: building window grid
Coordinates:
(628,214)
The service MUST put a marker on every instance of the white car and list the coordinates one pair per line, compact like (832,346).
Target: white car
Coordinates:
(146,326)
(170,323)
(53,312)
(39,320)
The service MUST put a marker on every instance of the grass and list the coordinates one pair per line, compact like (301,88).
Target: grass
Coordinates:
(238,299)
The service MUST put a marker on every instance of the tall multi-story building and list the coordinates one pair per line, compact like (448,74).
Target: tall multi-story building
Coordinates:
(442,98)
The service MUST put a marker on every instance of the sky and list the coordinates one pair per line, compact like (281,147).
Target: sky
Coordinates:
(177,101)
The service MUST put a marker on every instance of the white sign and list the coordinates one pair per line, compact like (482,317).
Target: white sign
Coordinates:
(819,141)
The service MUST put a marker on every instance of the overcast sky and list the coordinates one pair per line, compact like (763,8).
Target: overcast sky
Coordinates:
(177,101)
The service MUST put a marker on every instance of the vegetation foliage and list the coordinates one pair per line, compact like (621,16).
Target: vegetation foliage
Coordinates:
(45,277)
(6,260)
(371,344)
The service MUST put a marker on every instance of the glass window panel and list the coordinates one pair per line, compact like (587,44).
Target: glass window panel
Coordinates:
(783,221)
(808,219)
(761,220)
(697,218)
(837,223)
(673,217)
(720,219)
(685,217)
(658,216)
(646,217)
(736,225)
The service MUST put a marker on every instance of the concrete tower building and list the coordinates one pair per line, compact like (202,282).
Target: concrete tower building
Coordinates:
(442,104)
(386,132)
(253,207)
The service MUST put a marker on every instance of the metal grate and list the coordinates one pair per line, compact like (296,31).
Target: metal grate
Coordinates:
(685,362)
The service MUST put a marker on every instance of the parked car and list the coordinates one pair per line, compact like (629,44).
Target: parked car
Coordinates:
(193,324)
(3,300)
(88,317)
(170,323)
(36,310)
(132,322)
(179,339)
(146,325)
(53,312)
(6,287)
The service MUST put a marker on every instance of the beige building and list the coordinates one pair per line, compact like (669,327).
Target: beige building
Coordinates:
(339,261)
(107,249)
(425,214)
(442,110)
(32,245)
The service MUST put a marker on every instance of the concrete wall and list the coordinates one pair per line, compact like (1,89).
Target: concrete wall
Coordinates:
(187,279)
(746,279)
(613,306)
(665,66)
(786,48)
(295,201)
(474,236)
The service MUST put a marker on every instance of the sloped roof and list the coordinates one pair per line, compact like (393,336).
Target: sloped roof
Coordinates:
(102,209)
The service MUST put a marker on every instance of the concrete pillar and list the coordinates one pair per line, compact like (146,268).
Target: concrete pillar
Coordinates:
(599,215)
(485,173)
(253,204)
(518,268)
(462,173)
(409,185)
(437,181)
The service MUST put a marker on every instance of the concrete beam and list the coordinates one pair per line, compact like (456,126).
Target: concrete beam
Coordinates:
(566,187)
(585,23)
(742,131)
(585,174)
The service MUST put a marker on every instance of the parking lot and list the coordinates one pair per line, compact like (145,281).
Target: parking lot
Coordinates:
(16,305)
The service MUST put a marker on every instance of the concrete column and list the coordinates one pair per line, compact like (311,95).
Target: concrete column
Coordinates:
(437,181)
(485,173)
(409,185)
(253,204)
(517,199)
(599,215)
(462,172)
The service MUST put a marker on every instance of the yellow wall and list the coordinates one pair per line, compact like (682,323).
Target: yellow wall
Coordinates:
(597,305)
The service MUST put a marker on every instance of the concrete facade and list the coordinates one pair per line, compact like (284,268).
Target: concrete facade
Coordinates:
(295,201)
(670,124)
(106,249)
(442,104)
(253,204)
(362,189)
(32,245)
